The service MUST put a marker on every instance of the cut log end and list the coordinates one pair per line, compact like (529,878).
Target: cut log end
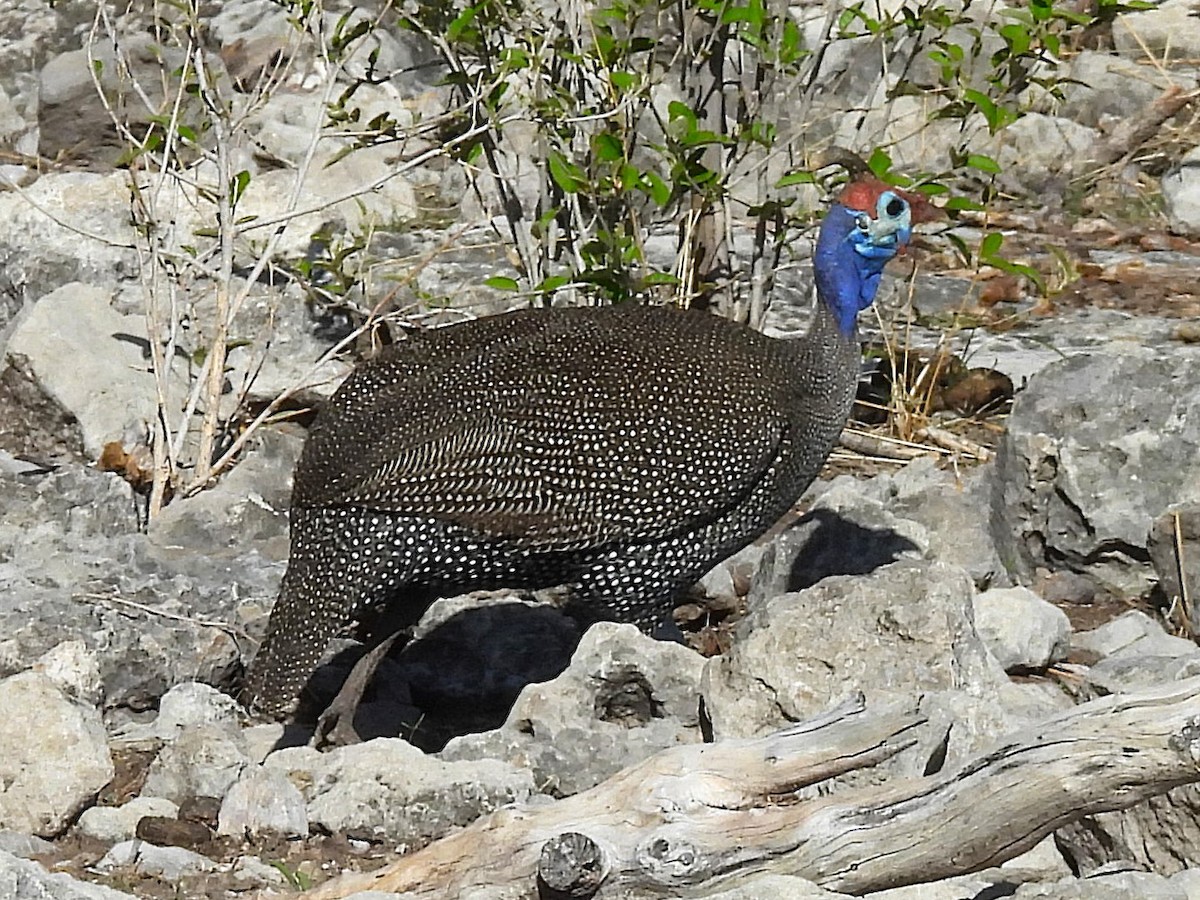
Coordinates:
(572,867)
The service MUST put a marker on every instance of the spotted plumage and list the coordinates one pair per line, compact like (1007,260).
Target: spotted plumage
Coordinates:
(622,451)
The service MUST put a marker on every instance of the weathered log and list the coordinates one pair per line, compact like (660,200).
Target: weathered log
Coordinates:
(696,819)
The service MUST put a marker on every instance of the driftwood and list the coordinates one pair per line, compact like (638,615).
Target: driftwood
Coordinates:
(696,819)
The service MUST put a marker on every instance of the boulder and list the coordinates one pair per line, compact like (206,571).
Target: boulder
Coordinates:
(387,789)
(1023,631)
(21,879)
(902,635)
(1097,447)
(623,697)
(1181,195)
(54,758)
(1175,554)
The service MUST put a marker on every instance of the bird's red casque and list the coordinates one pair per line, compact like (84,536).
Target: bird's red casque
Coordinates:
(862,195)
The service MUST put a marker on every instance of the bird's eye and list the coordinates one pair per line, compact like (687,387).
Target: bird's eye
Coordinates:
(895,207)
(863,222)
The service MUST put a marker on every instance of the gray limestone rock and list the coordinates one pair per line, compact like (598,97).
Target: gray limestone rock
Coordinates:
(849,530)
(1097,447)
(18,843)
(113,824)
(21,879)
(1135,652)
(75,670)
(1181,195)
(902,631)
(1023,631)
(1175,553)
(39,255)
(202,761)
(263,801)
(623,697)
(156,609)
(1114,886)
(55,764)
(108,387)
(168,863)
(386,788)
(1108,89)
(193,704)
(1166,32)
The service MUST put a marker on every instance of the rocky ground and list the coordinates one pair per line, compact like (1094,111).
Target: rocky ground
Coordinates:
(1038,547)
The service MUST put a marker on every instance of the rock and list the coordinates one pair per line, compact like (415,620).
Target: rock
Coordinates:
(1174,545)
(905,124)
(54,763)
(75,123)
(1181,195)
(168,863)
(252,871)
(75,671)
(1135,652)
(263,801)
(904,630)
(108,387)
(203,761)
(75,567)
(955,510)
(848,531)
(1160,835)
(624,697)
(113,824)
(1115,886)
(1097,447)
(38,255)
(1119,634)
(1107,89)
(194,704)
(1023,631)
(764,886)
(1189,880)
(21,879)
(1037,148)
(24,845)
(325,190)
(386,788)
(1166,32)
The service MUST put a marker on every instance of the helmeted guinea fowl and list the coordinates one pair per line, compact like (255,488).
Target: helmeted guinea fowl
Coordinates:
(622,451)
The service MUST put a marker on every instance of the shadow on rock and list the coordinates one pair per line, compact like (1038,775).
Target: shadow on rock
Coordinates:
(461,673)
(825,543)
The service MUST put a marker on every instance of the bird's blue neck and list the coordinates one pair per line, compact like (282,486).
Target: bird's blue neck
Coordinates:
(847,267)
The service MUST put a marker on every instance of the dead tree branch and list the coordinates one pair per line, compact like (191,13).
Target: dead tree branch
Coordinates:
(693,820)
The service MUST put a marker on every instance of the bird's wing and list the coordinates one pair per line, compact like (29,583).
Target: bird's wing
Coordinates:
(561,438)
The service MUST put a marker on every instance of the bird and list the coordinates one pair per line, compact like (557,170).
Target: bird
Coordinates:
(621,451)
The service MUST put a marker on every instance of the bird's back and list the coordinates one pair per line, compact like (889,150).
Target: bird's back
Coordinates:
(558,428)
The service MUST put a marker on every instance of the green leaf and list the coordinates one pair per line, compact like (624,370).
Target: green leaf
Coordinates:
(990,245)
(655,278)
(983,163)
(879,163)
(461,25)
(658,189)
(501,283)
(677,109)
(623,81)
(551,284)
(801,177)
(565,175)
(962,203)
(238,187)
(607,147)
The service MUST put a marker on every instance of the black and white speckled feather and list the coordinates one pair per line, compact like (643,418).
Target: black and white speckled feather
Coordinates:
(621,450)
